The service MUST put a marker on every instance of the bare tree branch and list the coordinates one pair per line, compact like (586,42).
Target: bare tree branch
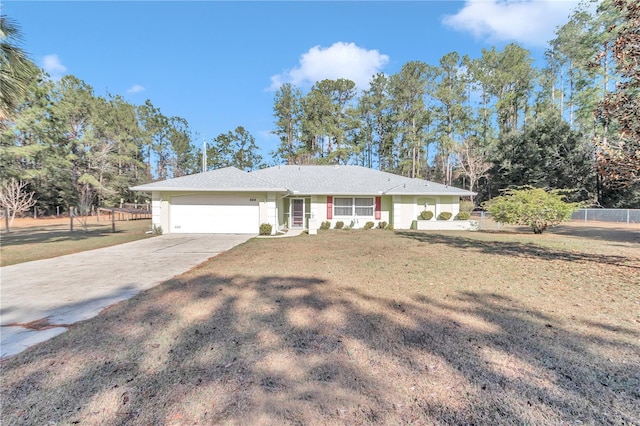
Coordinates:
(15,199)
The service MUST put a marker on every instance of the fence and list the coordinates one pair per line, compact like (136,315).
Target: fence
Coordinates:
(124,213)
(607,215)
(628,216)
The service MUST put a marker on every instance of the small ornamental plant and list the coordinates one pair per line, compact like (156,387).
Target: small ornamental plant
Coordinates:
(339,224)
(265,229)
(368,225)
(462,216)
(444,216)
(382,225)
(325,225)
(425,215)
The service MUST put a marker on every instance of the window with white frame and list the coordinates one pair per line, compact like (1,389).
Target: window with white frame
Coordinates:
(352,206)
(343,206)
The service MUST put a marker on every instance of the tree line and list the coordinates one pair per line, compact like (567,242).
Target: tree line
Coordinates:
(73,148)
(484,123)
(490,122)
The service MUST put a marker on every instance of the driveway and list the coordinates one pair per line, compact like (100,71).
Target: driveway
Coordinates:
(38,298)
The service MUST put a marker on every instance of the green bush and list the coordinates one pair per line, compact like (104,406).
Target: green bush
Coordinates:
(444,216)
(382,225)
(265,229)
(466,206)
(389,227)
(368,225)
(325,225)
(463,216)
(425,215)
(339,225)
(533,207)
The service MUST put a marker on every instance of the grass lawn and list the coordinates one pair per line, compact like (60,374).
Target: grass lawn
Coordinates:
(359,327)
(47,238)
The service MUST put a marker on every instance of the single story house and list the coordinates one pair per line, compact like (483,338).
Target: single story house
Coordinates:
(229,200)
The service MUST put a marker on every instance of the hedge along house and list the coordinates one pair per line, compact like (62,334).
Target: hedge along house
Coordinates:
(229,200)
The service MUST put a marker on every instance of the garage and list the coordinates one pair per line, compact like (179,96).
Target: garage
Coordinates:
(214,214)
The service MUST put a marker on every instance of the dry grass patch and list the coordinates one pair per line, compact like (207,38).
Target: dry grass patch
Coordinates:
(39,239)
(357,327)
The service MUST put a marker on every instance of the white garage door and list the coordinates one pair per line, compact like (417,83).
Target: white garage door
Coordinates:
(210,214)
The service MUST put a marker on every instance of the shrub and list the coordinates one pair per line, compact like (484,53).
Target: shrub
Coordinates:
(463,216)
(382,225)
(368,225)
(425,215)
(156,230)
(444,216)
(389,227)
(466,206)
(325,225)
(265,229)
(339,225)
(533,207)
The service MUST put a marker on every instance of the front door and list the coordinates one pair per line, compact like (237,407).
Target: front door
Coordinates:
(298,212)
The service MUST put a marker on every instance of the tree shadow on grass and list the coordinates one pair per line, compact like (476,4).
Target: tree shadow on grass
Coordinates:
(516,249)
(301,350)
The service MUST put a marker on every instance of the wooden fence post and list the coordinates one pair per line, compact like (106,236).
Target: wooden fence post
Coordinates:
(70,219)
(6,219)
(113,220)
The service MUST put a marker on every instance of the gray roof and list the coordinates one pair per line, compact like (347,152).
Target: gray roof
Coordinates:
(306,180)
(227,179)
(425,187)
(351,180)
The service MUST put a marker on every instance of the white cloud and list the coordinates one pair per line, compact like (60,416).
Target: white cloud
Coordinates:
(52,65)
(136,88)
(531,22)
(340,60)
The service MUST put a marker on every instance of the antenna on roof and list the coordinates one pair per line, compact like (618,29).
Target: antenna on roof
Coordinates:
(204,153)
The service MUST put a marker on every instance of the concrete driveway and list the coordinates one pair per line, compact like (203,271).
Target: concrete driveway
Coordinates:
(72,288)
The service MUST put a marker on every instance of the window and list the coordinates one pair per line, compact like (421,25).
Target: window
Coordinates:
(353,206)
(343,206)
(364,206)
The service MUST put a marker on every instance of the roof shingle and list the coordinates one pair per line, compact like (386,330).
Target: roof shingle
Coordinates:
(306,180)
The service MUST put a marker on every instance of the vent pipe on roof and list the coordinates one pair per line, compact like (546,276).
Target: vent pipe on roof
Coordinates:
(204,153)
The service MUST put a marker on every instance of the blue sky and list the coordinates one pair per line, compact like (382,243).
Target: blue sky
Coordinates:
(218,64)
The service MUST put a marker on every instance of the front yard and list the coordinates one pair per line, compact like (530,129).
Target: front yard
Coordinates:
(359,327)
(36,239)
